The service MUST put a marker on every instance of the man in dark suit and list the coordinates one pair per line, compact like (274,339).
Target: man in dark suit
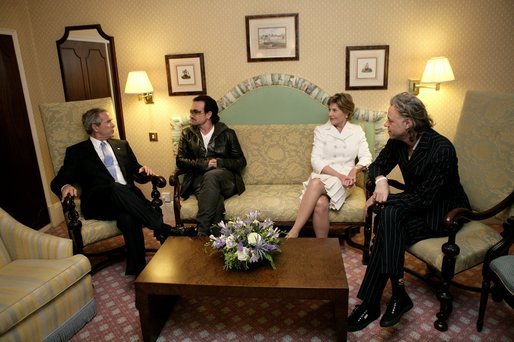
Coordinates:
(210,153)
(428,163)
(103,168)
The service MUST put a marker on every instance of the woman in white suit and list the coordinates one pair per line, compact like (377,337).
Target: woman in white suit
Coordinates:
(337,144)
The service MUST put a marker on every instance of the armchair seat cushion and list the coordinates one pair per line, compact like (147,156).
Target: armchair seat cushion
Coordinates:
(504,269)
(98,230)
(474,240)
(29,284)
(280,202)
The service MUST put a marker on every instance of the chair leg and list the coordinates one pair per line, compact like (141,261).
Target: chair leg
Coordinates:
(450,250)
(483,303)
(446,306)
(368,224)
(348,233)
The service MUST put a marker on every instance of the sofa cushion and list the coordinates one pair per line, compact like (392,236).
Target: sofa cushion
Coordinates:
(280,203)
(474,240)
(28,284)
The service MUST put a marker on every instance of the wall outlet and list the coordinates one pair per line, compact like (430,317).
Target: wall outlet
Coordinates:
(153,136)
(166,197)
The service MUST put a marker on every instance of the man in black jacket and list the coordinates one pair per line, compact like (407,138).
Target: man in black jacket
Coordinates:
(104,169)
(211,155)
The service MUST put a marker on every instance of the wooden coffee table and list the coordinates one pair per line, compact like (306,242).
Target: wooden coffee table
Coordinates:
(307,268)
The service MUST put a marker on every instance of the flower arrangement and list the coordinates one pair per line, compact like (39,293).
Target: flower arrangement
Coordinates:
(246,242)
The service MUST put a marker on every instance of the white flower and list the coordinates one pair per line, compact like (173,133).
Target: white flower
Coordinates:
(244,254)
(230,242)
(254,238)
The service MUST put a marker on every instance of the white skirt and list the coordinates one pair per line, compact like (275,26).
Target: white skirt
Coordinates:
(334,188)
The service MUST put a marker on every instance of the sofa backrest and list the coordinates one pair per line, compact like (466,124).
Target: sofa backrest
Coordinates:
(276,154)
(274,116)
(281,154)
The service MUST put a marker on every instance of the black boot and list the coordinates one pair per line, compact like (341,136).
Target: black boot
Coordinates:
(362,316)
(399,304)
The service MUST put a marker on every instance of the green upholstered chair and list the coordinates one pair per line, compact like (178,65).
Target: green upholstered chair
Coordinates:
(484,147)
(499,269)
(63,128)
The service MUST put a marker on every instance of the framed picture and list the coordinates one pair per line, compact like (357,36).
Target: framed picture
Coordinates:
(186,74)
(366,67)
(272,37)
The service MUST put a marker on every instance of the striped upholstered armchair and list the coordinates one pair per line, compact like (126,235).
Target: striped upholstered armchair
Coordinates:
(45,290)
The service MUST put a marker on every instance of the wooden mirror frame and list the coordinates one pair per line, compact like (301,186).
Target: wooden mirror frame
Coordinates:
(114,69)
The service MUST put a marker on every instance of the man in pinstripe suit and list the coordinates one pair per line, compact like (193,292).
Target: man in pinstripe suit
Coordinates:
(428,163)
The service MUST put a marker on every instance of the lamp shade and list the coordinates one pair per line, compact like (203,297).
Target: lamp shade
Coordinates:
(138,83)
(437,70)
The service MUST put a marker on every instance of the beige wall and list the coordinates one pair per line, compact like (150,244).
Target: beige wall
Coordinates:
(476,35)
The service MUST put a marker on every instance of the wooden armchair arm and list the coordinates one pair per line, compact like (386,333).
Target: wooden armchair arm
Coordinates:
(175,182)
(73,223)
(370,187)
(458,216)
(157,182)
(461,215)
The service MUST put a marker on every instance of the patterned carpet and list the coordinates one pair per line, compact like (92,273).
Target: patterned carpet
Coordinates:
(208,319)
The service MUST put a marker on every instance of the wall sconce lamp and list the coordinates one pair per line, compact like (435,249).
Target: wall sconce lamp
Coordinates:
(438,70)
(139,83)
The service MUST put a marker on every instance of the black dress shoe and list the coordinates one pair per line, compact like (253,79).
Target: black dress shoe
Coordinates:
(397,306)
(361,316)
(162,233)
(183,231)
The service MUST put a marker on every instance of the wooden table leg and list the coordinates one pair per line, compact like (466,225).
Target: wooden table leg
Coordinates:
(153,313)
(340,316)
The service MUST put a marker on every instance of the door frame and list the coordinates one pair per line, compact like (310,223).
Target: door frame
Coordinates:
(33,129)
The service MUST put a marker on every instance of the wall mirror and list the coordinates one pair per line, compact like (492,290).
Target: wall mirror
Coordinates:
(88,67)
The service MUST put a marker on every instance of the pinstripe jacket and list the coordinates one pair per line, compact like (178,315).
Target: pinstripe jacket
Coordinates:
(431,177)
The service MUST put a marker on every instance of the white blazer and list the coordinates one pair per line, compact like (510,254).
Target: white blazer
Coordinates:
(339,149)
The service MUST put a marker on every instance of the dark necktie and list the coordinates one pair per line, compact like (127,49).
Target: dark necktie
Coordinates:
(108,160)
